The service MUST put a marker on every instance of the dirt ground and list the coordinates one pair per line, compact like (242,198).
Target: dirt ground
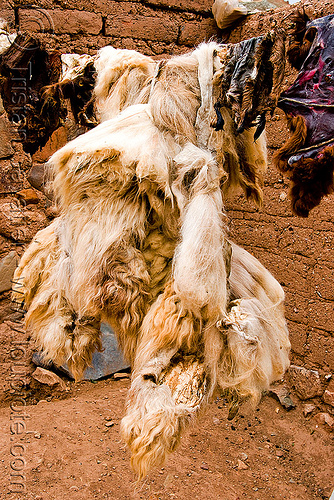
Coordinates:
(72,449)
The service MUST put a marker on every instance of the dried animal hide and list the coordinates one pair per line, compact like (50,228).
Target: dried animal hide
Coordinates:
(250,82)
(251,79)
(76,84)
(308,156)
(99,87)
(141,243)
(243,352)
(299,45)
(123,79)
(25,69)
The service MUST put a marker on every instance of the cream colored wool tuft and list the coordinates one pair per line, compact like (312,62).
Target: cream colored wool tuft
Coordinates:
(123,78)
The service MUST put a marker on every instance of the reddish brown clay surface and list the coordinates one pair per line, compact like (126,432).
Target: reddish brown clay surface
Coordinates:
(72,449)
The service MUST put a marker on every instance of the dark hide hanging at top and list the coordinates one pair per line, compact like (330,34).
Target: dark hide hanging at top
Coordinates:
(25,69)
(249,85)
(251,80)
(299,46)
(79,91)
(308,155)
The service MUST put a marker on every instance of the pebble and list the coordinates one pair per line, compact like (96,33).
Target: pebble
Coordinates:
(306,382)
(204,467)
(28,196)
(325,418)
(281,393)
(308,408)
(328,397)
(120,376)
(49,378)
(241,465)
(109,424)
(279,453)
(243,456)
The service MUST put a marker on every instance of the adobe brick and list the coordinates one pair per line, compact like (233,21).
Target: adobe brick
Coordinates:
(42,4)
(320,349)
(60,21)
(6,136)
(296,308)
(321,315)
(323,282)
(296,240)
(298,337)
(112,7)
(291,273)
(239,202)
(324,211)
(256,235)
(193,33)
(146,28)
(274,204)
(57,140)
(194,5)
(326,246)
(11,178)
(8,15)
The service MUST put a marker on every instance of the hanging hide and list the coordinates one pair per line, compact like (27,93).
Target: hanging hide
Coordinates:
(141,243)
(250,82)
(76,84)
(299,45)
(25,69)
(308,156)
(251,79)
(123,79)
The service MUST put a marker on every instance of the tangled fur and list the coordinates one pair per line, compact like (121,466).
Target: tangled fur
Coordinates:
(142,243)
(299,45)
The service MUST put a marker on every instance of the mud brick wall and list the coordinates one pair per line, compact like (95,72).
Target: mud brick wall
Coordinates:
(299,252)
(155,27)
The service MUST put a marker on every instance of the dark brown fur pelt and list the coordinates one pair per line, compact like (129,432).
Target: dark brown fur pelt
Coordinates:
(308,104)
(299,45)
(79,91)
(251,88)
(27,65)
(311,180)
